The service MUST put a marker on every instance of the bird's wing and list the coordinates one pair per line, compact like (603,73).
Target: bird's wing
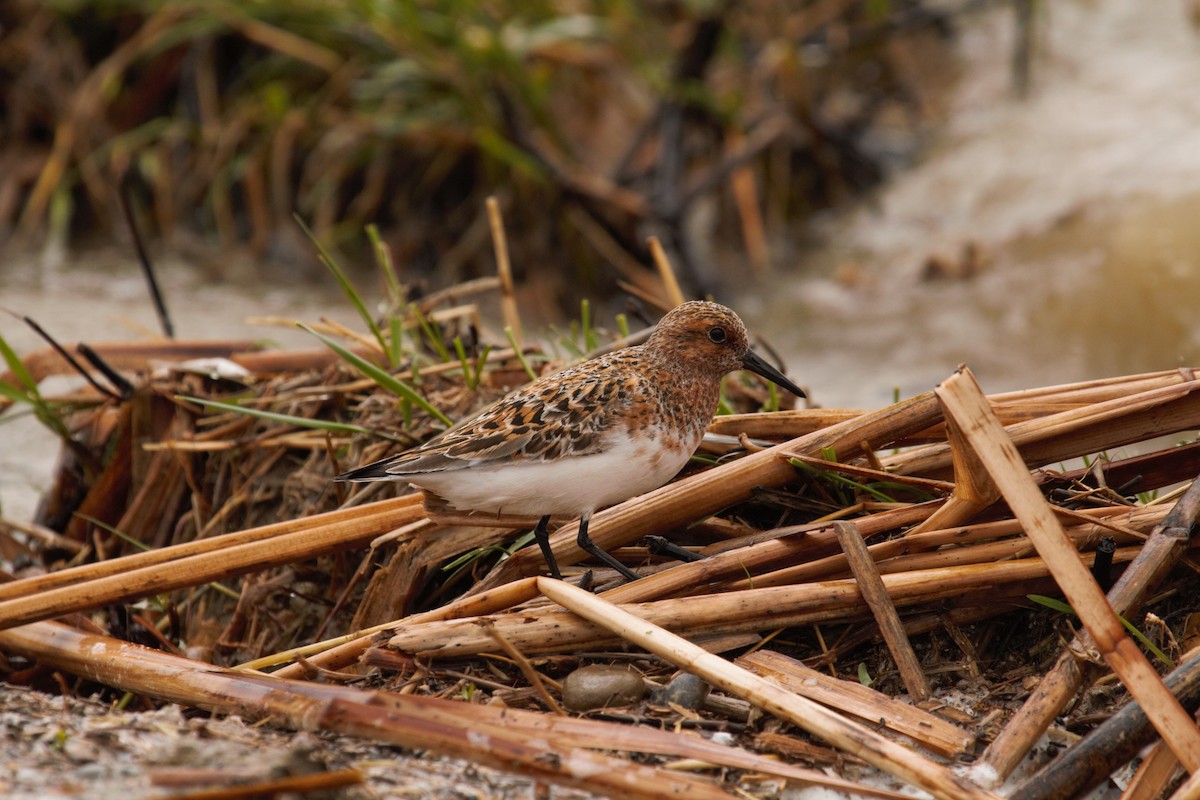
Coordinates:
(560,416)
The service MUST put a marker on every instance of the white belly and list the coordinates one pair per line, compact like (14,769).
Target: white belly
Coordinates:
(567,487)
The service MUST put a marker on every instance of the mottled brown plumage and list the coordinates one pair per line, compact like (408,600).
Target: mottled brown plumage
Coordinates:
(592,435)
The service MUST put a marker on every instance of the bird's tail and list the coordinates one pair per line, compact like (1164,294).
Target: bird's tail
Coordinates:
(375,471)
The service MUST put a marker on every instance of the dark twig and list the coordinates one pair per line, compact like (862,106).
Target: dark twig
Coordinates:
(660,546)
(1110,745)
(160,305)
(87,376)
(115,378)
(1102,566)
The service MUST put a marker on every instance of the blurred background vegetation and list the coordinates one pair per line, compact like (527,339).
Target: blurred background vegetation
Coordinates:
(720,127)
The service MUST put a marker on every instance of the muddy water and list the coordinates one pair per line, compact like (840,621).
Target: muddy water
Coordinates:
(1082,203)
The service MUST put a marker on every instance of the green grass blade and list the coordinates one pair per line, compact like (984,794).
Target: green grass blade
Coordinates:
(1059,605)
(772,402)
(864,675)
(1051,603)
(13,393)
(585,325)
(383,259)
(512,342)
(396,337)
(839,479)
(465,364)
(28,393)
(17,367)
(381,376)
(480,363)
(920,494)
(435,341)
(345,284)
(1149,645)
(272,416)
(623,325)
(569,341)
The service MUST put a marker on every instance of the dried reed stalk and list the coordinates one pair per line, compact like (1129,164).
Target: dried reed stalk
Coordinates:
(508,299)
(556,749)
(966,405)
(130,356)
(1190,790)
(144,574)
(863,702)
(1060,684)
(866,575)
(1152,776)
(395,509)
(547,631)
(418,550)
(921,551)
(1098,390)
(345,650)
(860,741)
(458,729)
(272,787)
(1010,407)
(1087,429)
(797,422)
(973,491)
(750,554)
(670,284)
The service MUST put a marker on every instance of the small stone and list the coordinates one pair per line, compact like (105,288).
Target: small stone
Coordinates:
(601,686)
(81,751)
(684,690)
(91,772)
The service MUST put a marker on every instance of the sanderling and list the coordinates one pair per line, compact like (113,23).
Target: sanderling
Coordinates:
(603,431)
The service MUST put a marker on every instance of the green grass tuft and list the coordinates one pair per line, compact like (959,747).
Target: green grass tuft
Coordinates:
(382,377)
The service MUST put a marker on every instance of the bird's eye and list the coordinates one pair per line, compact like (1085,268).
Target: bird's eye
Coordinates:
(716,334)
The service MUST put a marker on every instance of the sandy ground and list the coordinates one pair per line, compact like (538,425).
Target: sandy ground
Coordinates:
(52,747)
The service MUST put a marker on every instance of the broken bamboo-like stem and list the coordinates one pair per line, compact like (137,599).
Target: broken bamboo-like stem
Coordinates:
(1161,552)
(343,651)
(874,708)
(871,585)
(539,631)
(396,509)
(1086,429)
(144,574)
(967,406)
(930,549)
(818,720)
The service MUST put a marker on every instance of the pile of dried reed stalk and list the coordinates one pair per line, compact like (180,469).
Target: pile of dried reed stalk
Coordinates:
(901,544)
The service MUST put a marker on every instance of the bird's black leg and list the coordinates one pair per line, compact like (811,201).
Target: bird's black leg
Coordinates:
(543,540)
(591,547)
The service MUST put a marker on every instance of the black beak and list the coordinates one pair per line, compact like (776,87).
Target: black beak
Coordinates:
(752,362)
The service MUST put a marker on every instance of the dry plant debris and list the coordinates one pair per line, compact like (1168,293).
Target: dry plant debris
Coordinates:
(854,586)
(61,747)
